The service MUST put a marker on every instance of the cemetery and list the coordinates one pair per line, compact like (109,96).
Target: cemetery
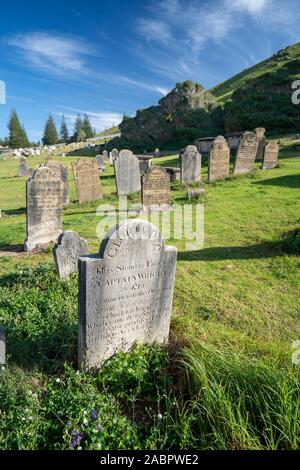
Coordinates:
(106,333)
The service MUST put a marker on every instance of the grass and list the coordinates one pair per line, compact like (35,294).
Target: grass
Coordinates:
(226,381)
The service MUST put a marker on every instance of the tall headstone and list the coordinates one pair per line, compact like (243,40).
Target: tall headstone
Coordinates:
(70,246)
(190,165)
(100,162)
(87,181)
(125,292)
(22,169)
(260,132)
(2,347)
(113,155)
(62,172)
(245,158)
(218,164)
(270,159)
(156,189)
(44,204)
(127,172)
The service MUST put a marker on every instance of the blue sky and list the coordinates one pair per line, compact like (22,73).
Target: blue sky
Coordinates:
(109,58)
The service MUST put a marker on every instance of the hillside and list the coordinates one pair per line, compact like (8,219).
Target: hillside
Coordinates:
(261,95)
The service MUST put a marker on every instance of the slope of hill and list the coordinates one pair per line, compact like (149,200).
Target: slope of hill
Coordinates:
(261,95)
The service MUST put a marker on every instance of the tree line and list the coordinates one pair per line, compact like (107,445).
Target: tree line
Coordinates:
(17,137)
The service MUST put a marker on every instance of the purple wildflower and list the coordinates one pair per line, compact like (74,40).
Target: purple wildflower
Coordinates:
(94,415)
(77,438)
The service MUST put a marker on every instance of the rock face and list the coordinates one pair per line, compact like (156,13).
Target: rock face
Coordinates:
(187,112)
(70,246)
(44,205)
(125,292)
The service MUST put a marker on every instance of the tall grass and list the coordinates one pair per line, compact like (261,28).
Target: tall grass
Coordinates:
(242,402)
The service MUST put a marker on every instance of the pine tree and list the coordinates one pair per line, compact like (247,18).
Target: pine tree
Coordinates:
(17,134)
(64,134)
(86,127)
(77,127)
(50,134)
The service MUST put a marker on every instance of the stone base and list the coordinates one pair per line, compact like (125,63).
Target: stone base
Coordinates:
(32,242)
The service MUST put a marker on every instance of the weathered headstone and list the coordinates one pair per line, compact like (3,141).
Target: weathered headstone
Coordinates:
(105,154)
(22,169)
(195,193)
(62,173)
(100,162)
(44,204)
(190,165)
(156,189)
(260,132)
(144,162)
(127,173)
(2,347)
(270,159)
(218,164)
(245,158)
(87,181)
(156,153)
(125,292)
(113,155)
(70,246)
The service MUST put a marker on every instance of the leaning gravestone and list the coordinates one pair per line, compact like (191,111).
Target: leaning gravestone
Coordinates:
(156,189)
(218,164)
(87,181)
(100,162)
(190,165)
(62,173)
(125,292)
(113,155)
(260,132)
(44,204)
(270,160)
(245,158)
(70,246)
(2,347)
(127,173)
(22,169)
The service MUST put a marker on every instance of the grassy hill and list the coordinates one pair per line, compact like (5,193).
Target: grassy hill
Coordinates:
(261,95)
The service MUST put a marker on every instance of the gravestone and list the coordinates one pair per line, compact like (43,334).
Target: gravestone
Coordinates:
(156,189)
(44,204)
(127,173)
(270,159)
(30,172)
(245,158)
(2,347)
(113,155)
(22,169)
(144,162)
(260,132)
(62,173)
(125,292)
(105,154)
(195,193)
(87,181)
(157,153)
(70,246)
(218,164)
(100,162)
(190,165)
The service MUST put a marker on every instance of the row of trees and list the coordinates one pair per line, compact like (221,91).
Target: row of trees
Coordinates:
(18,138)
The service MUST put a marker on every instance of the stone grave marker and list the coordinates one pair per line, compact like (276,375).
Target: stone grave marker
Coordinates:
(100,162)
(246,154)
(113,155)
(270,159)
(62,173)
(22,169)
(87,181)
(156,153)
(44,204)
(156,189)
(218,164)
(127,173)
(190,165)
(260,132)
(70,246)
(2,347)
(105,154)
(125,292)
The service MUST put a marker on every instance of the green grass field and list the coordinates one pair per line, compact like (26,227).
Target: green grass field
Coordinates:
(226,381)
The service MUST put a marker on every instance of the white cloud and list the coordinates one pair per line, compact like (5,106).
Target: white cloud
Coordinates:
(53,53)
(99,121)
(154,30)
(250,6)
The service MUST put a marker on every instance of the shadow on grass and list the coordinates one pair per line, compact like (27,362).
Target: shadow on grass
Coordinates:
(11,249)
(260,251)
(288,181)
(21,210)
